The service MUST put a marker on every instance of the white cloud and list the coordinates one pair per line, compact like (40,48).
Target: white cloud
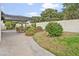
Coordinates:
(2,8)
(33,14)
(30,3)
(49,5)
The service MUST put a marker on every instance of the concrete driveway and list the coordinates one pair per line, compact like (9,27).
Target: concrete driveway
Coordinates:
(17,44)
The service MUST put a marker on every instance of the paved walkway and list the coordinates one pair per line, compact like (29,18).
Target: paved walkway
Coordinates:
(17,44)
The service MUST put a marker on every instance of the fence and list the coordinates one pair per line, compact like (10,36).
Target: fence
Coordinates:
(68,25)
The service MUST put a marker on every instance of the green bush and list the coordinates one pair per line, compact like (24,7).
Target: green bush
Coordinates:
(39,28)
(30,31)
(27,27)
(10,25)
(54,29)
(17,29)
(20,29)
(33,24)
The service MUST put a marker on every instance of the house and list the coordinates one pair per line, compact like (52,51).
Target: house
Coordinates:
(7,17)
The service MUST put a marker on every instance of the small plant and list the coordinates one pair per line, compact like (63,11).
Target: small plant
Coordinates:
(20,29)
(33,24)
(17,29)
(30,31)
(39,28)
(54,29)
(10,25)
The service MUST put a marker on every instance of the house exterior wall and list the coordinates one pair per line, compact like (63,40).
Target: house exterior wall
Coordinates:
(0,26)
(3,27)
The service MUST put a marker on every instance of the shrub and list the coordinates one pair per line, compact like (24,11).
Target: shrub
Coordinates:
(27,27)
(33,24)
(30,31)
(17,29)
(54,29)
(10,25)
(20,29)
(39,28)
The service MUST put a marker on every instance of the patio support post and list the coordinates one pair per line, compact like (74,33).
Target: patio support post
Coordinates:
(25,26)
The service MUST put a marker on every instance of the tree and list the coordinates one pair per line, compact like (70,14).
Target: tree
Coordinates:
(60,15)
(36,19)
(71,11)
(49,14)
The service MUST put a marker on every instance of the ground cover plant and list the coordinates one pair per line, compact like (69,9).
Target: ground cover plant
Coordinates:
(65,45)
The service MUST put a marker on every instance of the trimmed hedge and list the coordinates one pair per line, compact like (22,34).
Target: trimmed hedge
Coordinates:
(33,24)
(30,31)
(54,29)
(10,25)
(20,29)
(39,29)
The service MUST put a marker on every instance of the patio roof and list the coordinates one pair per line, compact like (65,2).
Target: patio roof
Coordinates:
(14,17)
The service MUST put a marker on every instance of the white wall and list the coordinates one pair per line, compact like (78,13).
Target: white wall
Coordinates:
(0,25)
(68,25)
(3,27)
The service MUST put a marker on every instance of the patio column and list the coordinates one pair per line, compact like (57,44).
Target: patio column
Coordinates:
(25,24)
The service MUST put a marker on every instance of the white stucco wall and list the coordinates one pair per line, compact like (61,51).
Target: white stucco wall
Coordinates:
(0,25)
(68,25)
(27,23)
(3,27)
(0,30)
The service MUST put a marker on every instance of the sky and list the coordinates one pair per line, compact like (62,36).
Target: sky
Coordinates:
(28,9)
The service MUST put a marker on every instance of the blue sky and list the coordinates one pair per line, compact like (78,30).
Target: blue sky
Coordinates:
(28,9)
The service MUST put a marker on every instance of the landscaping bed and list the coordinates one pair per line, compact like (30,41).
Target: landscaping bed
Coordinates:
(65,45)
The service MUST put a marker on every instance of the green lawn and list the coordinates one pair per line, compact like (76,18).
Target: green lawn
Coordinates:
(65,45)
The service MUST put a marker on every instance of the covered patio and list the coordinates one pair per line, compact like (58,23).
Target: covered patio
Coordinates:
(19,19)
